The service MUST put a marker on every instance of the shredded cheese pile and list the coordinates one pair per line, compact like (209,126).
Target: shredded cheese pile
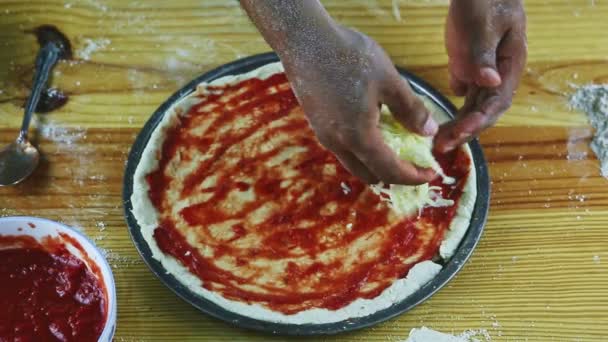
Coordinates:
(406,199)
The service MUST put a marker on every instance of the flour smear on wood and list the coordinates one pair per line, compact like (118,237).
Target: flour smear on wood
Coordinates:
(425,334)
(593,100)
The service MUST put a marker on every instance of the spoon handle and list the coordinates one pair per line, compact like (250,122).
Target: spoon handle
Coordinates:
(46,59)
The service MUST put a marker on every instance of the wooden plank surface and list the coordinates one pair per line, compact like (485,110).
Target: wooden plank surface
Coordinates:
(541,270)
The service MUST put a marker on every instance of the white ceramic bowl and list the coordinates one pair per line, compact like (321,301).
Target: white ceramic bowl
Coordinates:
(39,228)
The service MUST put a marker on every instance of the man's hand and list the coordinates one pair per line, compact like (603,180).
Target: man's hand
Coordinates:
(486,44)
(340,91)
(340,78)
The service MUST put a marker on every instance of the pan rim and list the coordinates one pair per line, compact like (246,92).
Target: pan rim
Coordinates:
(448,272)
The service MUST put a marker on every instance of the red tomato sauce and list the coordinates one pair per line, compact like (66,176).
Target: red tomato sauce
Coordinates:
(282,240)
(47,293)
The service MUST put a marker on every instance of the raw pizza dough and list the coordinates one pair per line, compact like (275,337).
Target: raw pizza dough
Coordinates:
(148,219)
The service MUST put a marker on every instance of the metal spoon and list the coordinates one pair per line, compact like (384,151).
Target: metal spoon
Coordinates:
(19,159)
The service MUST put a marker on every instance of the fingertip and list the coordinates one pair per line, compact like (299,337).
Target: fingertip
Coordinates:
(421,120)
(488,77)
(413,114)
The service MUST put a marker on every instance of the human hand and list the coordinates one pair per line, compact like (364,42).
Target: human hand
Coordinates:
(340,83)
(486,44)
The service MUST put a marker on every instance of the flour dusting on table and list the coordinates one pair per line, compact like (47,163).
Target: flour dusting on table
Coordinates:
(425,334)
(91,46)
(60,133)
(396,11)
(593,100)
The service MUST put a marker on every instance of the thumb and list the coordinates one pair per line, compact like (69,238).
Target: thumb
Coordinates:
(483,62)
(408,109)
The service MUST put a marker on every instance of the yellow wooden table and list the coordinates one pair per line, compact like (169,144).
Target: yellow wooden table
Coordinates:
(541,270)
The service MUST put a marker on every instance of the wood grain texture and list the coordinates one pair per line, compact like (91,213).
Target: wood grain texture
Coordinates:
(541,270)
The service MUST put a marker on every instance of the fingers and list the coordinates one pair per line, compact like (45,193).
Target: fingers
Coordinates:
(407,108)
(483,46)
(478,65)
(512,54)
(355,166)
(483,58)
(370,148)
(458,87)
(481,111)
(487,76)
(386,165)
(483,106)
(365,155)
(472,41)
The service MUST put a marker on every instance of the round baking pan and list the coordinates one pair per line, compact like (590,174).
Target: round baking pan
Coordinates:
(450,268)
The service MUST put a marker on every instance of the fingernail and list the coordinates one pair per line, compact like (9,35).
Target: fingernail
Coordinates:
(430,126)
(491,76)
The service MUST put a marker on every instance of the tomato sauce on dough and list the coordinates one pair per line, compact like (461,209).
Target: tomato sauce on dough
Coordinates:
(260,212)
(47,293)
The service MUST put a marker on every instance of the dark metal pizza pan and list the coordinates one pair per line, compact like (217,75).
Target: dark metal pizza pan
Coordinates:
(448,272)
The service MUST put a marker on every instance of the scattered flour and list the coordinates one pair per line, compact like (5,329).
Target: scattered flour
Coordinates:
(73,224)
(182,52)
(396,11)
(115,259)
(593,100)
(60,134)
(91,46)
(66,139)
(345,188)
(104,252)
(98,5)
(8,212)
(97,178)
(101,226)
(175,64)
(476,335)
(98,238)
(596,259)
(425,334)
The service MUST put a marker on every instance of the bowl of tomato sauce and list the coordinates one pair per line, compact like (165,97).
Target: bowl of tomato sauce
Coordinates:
(55,284)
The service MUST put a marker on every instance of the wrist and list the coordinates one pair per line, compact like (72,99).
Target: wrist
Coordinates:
(310,44)
(335,44)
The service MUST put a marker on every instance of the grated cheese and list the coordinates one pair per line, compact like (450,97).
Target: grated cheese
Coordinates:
(408,199)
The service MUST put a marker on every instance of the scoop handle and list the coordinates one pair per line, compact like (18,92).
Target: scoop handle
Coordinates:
(46,59)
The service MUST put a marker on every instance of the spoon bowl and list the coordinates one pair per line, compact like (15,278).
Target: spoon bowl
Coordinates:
(17,161)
